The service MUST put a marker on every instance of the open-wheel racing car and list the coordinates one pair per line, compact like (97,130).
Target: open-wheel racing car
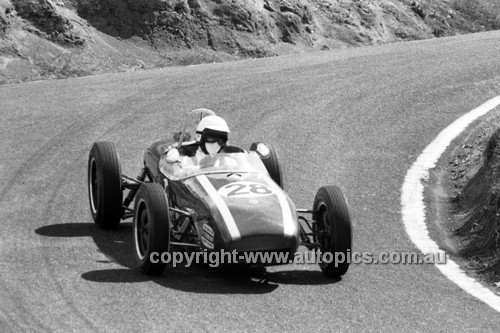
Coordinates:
(223,202)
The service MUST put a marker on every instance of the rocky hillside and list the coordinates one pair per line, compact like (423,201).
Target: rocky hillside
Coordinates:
(57,38)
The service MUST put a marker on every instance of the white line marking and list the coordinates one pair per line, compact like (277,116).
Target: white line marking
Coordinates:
(221,206)
(413,207)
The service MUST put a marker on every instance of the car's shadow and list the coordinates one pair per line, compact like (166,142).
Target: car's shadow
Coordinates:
(199,278)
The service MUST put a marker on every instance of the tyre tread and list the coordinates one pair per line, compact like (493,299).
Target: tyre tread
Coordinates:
(154,197)
(341,235)
(109,208)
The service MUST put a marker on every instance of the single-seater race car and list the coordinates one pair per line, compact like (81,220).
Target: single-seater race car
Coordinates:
(232,202)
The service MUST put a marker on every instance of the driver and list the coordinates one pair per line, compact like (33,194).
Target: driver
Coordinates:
(211,138)
(212,135)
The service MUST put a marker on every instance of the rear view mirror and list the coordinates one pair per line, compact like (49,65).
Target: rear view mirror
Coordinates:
(173,155)
(262,150)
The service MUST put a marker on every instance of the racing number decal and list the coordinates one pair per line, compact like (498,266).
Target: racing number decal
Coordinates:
(245,189)
(236,191)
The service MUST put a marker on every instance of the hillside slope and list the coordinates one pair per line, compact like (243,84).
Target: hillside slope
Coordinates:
(48,38)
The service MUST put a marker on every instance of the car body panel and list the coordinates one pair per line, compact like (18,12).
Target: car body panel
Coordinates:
(236,205)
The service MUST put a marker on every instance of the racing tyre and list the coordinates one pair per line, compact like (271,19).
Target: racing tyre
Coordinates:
(151,228)
(104,185)
(270,161)
(333,229)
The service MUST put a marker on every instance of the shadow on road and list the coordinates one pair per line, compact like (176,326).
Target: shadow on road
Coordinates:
(199,278)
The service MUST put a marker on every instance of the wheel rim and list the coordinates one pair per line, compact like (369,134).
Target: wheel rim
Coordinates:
(93,186)
(325,240)
(324,229)
(141,231)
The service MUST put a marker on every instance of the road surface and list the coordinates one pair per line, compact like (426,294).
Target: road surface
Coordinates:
(357,118)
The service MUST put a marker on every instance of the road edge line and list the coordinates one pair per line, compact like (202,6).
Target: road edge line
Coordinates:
(413,206)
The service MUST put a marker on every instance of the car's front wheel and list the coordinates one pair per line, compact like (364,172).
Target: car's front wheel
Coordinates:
(333,230)
(151,228)
(104,185)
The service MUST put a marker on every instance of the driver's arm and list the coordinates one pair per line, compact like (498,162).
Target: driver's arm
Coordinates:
(188,150)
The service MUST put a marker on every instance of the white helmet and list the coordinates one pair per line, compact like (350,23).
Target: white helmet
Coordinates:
(212,134)
(214,123)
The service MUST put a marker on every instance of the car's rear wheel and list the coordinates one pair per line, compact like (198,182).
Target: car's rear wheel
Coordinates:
(104,185)
(333,229)
(151,228)
(269,157)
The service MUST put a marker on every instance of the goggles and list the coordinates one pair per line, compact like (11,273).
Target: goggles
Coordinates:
(211,139)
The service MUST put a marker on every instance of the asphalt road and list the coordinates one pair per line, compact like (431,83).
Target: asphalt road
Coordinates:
(356,118)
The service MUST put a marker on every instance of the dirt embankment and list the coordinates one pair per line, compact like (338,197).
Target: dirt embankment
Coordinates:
(470,202)
(58,38)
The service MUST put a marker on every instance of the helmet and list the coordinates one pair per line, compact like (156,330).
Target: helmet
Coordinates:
(215,123)
(211,130)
